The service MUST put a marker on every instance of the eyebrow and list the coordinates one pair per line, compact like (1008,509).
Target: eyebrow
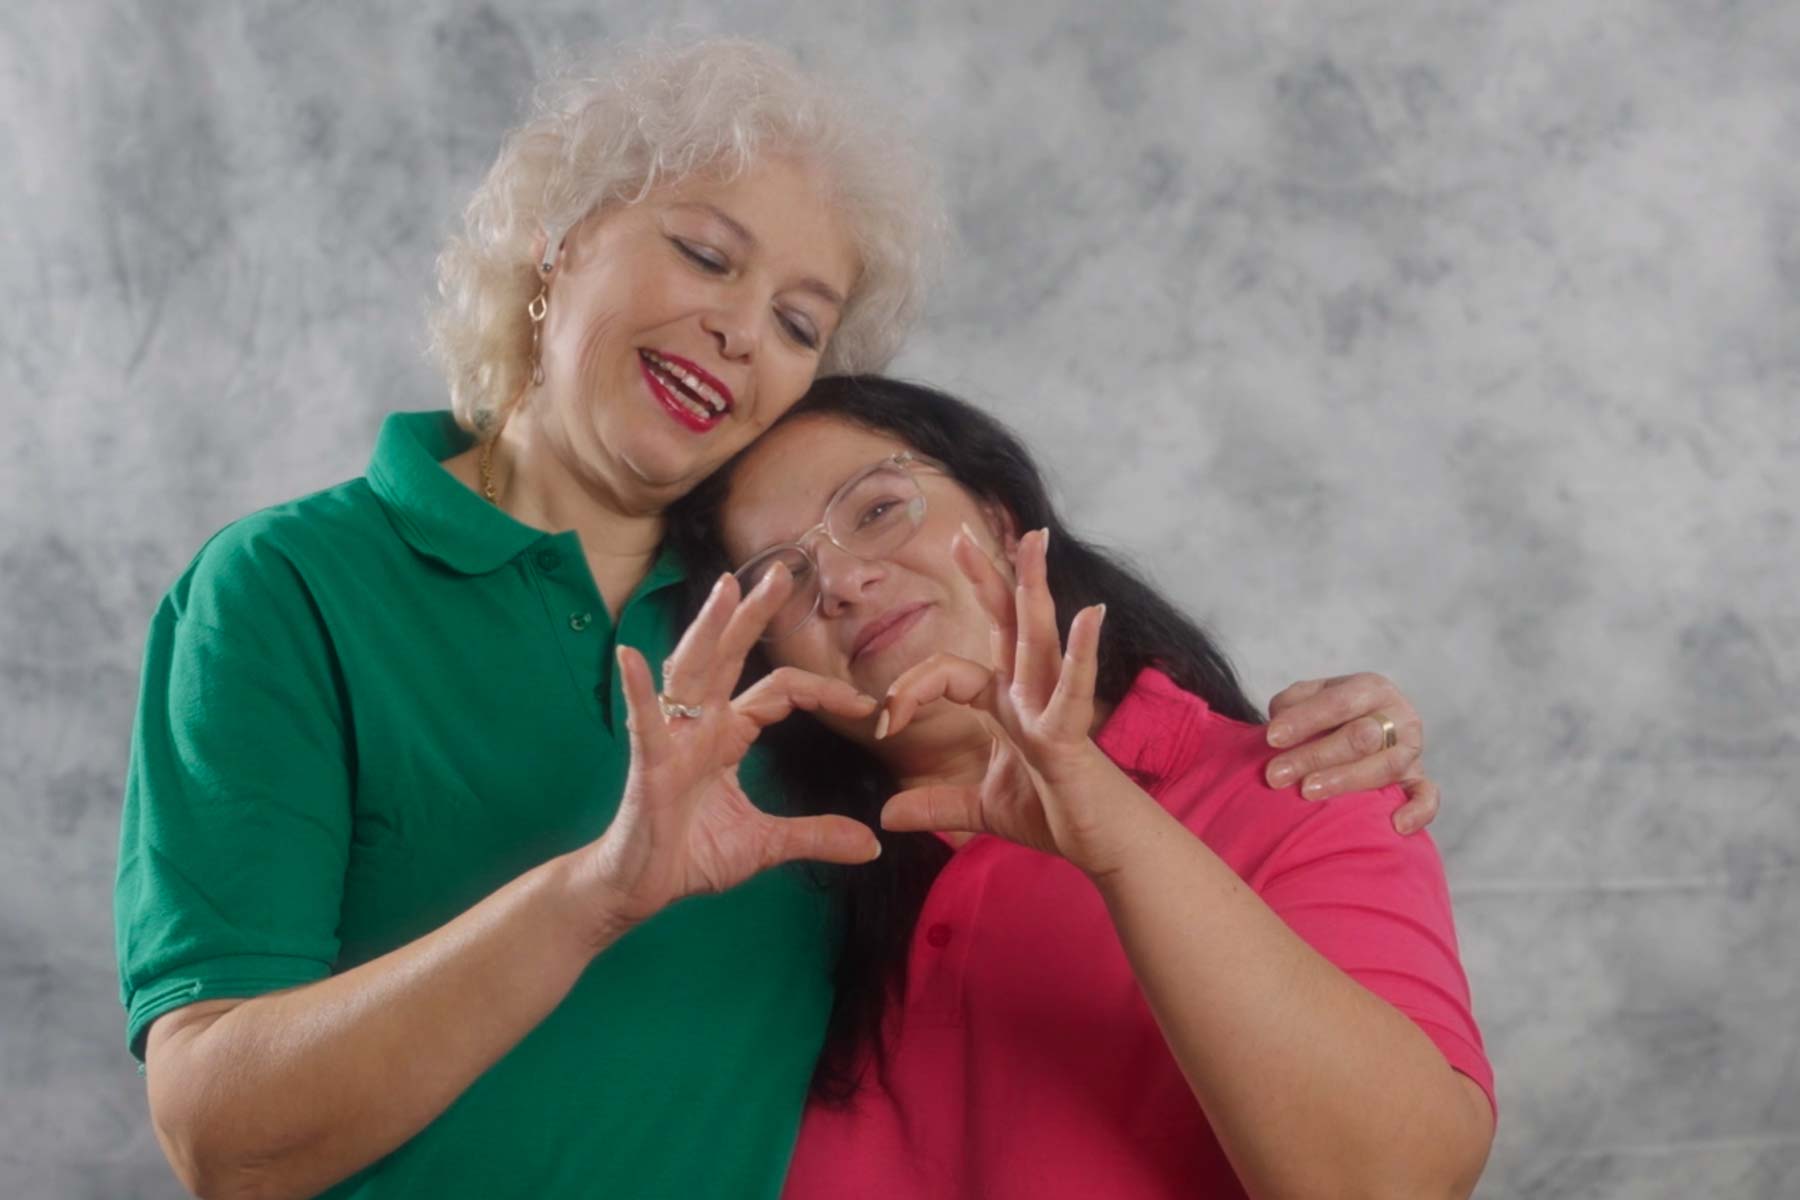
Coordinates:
(818,287)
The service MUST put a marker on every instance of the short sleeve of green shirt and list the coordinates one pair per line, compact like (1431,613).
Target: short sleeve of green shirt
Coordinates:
(365,710)
(240,761)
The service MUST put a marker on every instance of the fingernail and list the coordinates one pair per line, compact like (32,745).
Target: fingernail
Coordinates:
(1279,735)
(881,725)
(1312,789)
(1403,826)
(970,534)
(1282,776)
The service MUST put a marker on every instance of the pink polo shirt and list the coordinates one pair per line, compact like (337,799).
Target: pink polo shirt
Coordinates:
(1026,1063)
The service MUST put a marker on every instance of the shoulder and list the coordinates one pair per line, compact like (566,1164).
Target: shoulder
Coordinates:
(1223,796)
(278,555)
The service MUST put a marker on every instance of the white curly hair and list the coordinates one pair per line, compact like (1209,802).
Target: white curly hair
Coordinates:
(610,131)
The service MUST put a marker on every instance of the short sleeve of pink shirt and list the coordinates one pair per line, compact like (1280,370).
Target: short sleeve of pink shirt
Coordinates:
(1025,1062)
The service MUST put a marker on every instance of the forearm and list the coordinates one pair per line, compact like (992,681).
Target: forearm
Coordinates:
(1314,1086)
(287,1093)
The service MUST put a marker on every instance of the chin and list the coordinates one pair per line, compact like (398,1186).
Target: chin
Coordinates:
(661,462)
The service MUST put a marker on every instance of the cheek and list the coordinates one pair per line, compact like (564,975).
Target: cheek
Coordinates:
(783,383)
(590,351)
(806,650)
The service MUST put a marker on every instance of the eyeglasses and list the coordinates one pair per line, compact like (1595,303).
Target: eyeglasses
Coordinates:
(875,513)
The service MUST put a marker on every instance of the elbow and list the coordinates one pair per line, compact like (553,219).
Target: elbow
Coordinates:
(206,1176)
(211,1179)
(1401,1181)
(1445,1164)
(210,1170)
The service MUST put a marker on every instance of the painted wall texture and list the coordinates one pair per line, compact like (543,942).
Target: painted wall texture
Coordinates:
(1455,340)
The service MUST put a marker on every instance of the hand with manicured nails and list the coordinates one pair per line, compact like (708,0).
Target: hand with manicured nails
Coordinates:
(684,824)
(1047,785)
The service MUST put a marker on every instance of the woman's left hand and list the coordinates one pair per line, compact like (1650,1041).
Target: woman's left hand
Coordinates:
(1334,742)
(1046,784)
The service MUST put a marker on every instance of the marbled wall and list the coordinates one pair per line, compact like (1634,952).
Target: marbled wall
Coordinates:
(1456,340)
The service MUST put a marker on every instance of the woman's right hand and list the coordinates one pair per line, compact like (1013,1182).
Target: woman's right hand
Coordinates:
(684,824)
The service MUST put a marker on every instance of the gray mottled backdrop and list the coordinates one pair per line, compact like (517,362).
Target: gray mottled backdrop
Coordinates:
(1453,339)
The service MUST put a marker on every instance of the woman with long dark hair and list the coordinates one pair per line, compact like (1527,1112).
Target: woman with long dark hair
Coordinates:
(1155,973)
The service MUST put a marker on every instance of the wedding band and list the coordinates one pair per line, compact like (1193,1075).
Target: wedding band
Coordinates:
(1390,737)
(671,710)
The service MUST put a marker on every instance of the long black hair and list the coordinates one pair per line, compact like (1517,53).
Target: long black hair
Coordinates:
(820,772)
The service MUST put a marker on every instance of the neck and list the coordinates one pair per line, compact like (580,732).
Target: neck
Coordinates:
(537,484)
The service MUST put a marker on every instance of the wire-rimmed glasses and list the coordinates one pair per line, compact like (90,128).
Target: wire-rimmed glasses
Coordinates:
(875,512)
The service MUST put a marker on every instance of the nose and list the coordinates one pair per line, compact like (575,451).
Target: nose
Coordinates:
(732,324)
(843,577)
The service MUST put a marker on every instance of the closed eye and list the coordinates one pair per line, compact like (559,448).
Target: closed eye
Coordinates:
(800,328)
(707,259)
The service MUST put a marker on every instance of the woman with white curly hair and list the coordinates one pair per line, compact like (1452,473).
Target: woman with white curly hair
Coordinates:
(390,921)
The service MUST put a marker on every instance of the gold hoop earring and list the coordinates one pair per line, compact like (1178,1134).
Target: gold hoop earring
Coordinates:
(536,310)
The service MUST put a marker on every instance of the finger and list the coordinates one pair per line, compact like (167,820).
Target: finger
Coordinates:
(1420,809)
(687,672)
(745,625)
(1337,703)
(994,593)
(648,732)
(1362,740)
(1038,660)
(1071,708)
(940,677)
(1294,693)
(776,695)
(1394,765)
(943,808)
(832,839)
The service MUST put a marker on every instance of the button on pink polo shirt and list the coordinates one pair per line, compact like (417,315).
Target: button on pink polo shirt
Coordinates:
(1026,1063)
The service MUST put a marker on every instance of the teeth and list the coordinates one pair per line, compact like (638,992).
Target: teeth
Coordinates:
(691,382)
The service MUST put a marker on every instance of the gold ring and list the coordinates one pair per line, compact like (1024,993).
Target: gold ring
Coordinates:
(1390,736)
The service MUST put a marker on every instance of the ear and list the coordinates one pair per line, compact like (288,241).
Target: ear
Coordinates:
(1004,527)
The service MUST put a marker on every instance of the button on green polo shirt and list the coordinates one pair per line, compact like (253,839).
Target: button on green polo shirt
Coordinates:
(367,709)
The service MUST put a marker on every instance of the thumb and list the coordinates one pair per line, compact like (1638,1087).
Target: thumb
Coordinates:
(832,839)
(943,808)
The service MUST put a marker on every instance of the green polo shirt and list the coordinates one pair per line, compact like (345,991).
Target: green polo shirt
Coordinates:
(364,711)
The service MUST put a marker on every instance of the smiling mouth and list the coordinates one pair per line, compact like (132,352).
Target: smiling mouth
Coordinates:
(693,396)
(887,629)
